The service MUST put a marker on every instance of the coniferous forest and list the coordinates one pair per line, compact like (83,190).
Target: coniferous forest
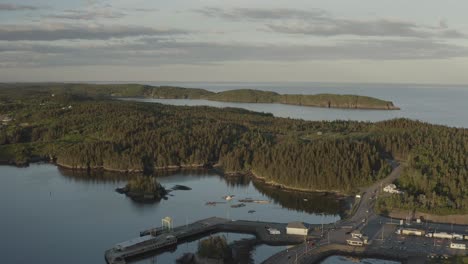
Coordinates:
(84,131)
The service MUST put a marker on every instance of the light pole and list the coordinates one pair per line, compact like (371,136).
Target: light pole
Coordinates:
(383,229)
(321,218)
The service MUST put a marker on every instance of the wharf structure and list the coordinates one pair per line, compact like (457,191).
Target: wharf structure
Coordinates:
(165,237)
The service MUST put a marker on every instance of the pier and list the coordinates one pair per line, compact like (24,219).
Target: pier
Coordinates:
(164,237)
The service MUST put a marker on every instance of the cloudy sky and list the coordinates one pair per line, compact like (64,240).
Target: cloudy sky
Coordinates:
(394,41)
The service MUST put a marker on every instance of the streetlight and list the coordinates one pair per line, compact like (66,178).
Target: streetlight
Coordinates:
(321,218)
(383,229)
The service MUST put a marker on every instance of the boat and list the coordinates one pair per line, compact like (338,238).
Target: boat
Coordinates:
(238,205)
(251,211)
(228,197)
(261,201)
(305,199)
(210,203)
(249,200)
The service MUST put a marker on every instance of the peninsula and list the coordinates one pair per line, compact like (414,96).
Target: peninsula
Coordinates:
(346,101)
(258,96)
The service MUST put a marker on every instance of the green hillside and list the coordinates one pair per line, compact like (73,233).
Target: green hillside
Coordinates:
(172,92)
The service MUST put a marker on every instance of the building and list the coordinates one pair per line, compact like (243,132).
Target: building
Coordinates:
(356,234)
(442,235)
(297,228)
(5,119)
(410,232)
(391,188)
(273,231)
(458,245)
(355,242)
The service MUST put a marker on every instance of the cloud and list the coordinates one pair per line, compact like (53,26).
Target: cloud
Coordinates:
(261,14)
(381,28)
(68,31)
(143,9)
(317,22)
(15,7)
(74,14)
(154,51)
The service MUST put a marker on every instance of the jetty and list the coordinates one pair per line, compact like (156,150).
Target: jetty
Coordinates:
(161,238)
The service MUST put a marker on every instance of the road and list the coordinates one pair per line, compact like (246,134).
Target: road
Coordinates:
(364,211)
(369,195)
(379,229)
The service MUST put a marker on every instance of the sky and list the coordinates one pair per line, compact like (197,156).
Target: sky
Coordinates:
(365,41)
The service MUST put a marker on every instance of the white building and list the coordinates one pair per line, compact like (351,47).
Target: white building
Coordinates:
(356,234)
(442,235)
(355,242)
(297,228)
(391,188)
(458,245)
(273,231)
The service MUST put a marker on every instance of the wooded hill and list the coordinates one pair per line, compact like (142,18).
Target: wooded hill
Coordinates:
(89,133)
(240,96)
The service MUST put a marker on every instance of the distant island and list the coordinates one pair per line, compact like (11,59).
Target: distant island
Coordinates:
(257,96)
(345,101)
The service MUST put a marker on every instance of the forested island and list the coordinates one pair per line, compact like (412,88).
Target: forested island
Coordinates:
(238,96)
(90,131)
(143,189)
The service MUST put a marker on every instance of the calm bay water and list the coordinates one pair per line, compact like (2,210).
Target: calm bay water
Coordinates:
(54,216)
(346,260)
(435,104)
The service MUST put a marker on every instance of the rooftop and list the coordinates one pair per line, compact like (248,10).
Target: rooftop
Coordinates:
(354,239)
(296,225)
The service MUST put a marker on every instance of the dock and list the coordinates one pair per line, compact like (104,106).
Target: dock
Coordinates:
(159,238)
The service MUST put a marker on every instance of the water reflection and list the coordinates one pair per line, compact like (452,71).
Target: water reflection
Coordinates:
(62,216)
(305,202)
(312,203)
(347,260)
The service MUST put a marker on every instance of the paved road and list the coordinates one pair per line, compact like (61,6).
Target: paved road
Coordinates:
(379,229)
(369,195)
(364,211)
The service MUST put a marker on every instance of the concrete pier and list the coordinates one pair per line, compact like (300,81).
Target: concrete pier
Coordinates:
(158,238)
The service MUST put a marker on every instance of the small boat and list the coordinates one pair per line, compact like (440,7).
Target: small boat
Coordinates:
(248,200)
(251,211)
(238,205)
(210,203)
(261,201)
(305,199)
(228,197)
